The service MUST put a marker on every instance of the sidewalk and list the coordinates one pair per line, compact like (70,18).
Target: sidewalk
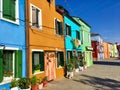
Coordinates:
(100,76)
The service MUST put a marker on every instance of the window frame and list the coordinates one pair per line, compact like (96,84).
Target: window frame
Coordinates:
(39,17)
(16,13)
(69,30)
(77,35)
(58,32)
(37,51)
(59,53)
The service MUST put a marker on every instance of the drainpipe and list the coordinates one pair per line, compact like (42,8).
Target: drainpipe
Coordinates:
(27,39)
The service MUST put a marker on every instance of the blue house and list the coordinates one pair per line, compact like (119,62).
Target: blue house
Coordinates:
(12,41)
(72,37)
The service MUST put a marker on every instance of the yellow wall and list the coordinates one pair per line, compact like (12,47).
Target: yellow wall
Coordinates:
(44,39)
(106,50)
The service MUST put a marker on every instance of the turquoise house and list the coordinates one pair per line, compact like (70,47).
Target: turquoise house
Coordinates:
(72,37)
(85,41)
(12,41)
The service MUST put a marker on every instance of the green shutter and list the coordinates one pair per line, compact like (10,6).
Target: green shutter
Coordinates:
(18,64)
(61,30)
(70,30)
(61,59)
(56,28)
(32,62)
(9,9)
(42,61)
(1,65)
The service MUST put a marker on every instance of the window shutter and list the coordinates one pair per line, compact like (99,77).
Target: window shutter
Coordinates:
(18,64)
(70,30)
(61,30)
(61,59)
(1,65)
(13,6)
(32,62)
(42,61)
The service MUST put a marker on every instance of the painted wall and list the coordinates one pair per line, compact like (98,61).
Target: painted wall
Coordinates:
(13,35)
(115,51)
(44,39)
(86,40)
(106,50)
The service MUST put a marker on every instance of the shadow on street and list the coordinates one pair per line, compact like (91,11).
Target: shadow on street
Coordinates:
(114,63)
(99,83)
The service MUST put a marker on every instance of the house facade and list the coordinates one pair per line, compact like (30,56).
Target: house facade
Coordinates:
(106,50)
(45,40)
(97,37)
(72,38)
(85,41)
(12,41)
(118,48)
(115,51)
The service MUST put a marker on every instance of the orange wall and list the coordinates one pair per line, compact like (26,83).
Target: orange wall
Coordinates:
(44,39)
(106,50)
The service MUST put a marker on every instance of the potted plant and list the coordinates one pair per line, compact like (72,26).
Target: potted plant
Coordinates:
(36,68)
(34,83)
(24,83)
(70,68)
(14,84)
(44,81)
(40,83)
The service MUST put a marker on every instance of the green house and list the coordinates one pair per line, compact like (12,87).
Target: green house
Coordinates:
(86,41)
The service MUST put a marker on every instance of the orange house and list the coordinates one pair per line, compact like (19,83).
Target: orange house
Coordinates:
(45,40)
(106,50)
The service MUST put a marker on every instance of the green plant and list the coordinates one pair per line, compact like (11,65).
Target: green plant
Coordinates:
(71,65)
(24,83)
(34,80)
(44,78)
(8,74)
(14,83)
(37,67)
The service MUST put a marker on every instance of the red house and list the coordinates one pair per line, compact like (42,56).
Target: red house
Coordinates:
(95,52)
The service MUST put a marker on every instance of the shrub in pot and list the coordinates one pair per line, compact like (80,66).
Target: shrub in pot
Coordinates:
(44,81)
(14,84)
(24,83)
(34,83)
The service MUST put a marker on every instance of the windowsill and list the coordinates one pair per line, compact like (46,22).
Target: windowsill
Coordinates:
(60,67)
(38,72)
(33,27)
(58,35)
(68,36)
(17,21)
(6,80)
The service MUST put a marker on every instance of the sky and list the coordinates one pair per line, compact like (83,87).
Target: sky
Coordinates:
(102,15)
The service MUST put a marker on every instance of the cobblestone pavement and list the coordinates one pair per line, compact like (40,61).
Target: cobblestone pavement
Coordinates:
(103,75)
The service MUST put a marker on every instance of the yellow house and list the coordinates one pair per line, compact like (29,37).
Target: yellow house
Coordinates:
(45,40)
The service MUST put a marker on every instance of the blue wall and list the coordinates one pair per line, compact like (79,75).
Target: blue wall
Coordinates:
(13,35)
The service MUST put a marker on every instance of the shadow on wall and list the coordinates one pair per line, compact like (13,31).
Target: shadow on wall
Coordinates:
(100,83)
(114,63)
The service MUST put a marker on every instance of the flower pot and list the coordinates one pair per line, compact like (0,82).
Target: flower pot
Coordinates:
(26,89)
(14,88)
(34,87)
(40,86)
(77,70)
(70,75)
(45,83)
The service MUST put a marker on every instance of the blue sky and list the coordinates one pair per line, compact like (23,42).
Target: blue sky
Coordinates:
(102,15)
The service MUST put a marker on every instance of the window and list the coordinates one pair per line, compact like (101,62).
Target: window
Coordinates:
(60,59)
(36,17)
(58,27)
(78,35)
(10,10)
(37,62)
(69,54)
(8,63)
(68,30)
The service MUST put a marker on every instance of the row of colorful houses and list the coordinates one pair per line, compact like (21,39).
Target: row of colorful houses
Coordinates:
(103,50)
(39,33)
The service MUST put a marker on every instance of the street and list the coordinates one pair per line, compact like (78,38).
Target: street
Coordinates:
(103,75)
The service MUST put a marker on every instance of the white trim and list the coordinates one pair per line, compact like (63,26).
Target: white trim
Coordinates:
(40,17)
(37,50)
(16,16)
(38,72)
(11,48)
